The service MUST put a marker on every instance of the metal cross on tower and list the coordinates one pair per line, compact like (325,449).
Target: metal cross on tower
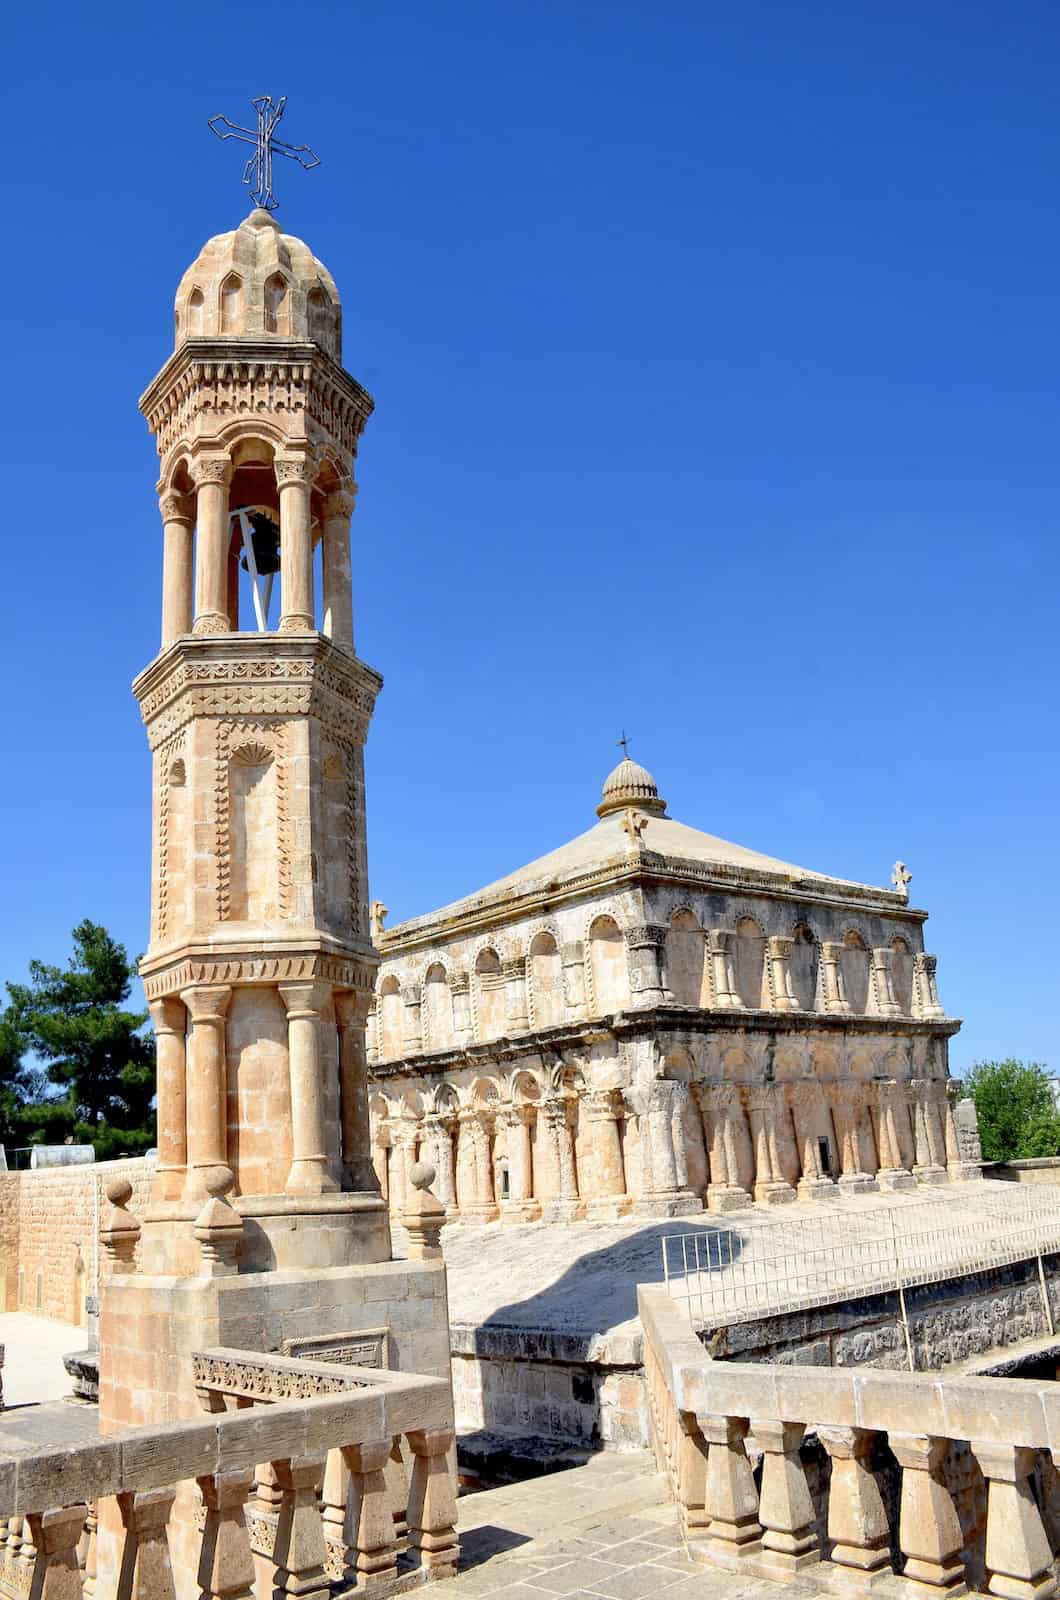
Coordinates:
(259,166)
(624,742)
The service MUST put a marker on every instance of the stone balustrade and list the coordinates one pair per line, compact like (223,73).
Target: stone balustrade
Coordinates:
(926,1486)
(320,1509)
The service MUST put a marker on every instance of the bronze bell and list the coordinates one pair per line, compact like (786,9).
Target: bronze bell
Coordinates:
(265,537)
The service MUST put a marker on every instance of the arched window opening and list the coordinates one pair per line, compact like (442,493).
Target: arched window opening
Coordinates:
(196,312)
(232,304)
(902,975)
(685,959)
(277,305)
(391,1029)
(856,973)
(749,961)
(321,320)
(804,963)
(546,981)
(610,968)
(489,995)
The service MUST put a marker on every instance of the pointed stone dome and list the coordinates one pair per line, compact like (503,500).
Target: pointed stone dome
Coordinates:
(630,785)
(259,283)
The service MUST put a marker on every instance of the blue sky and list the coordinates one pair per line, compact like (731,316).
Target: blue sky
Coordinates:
(715,353)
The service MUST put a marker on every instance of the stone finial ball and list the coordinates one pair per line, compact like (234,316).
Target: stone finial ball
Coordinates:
(218,1181)
(421,1174)
(119,1191)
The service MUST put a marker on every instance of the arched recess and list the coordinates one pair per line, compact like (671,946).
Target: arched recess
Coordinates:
(391,1032)
(254,847)
(855,961)
(749,949)
(277,305)
(686,960)
(805,959)
(489,995)
(437,1011)
(231,308)
(321,317)
(608,966)
(546,981)
(196,314)
(172,884)
(902,975)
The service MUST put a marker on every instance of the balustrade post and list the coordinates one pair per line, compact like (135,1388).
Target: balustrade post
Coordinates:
(857,1519)
(432,1501)
(369,1533)
(53,1539)
(1019,1559)
(929,1532)
(730,1499)
(146,1568)
(226,1562)
(785,1507)
(300,1553)
(690,1474)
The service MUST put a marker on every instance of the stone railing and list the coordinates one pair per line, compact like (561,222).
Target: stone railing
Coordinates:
(320,1510)
(924,1485)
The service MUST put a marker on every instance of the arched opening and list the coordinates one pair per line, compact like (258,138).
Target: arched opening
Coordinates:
(391,1032)
(253,844)
(546,981)
(437,1012)
(749,949)
(902,975)
(196,313)
(685,959)
(175,843)
(321,319)
(277,305)
(804,964)
(232,304)
(489,995)
(610,969)
(855,962)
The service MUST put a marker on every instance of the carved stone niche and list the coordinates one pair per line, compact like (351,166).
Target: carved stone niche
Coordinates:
(364,1347)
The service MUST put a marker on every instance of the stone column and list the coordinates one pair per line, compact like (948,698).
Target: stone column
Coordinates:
(554,1119)
(294,479)
(436,1145)
(1019,1558)
(170,1022)
(475,1167)
(833,987)
(412,999)
(930,1166)
(807,1107)
(338,586)
(212,475)
(514,972)
(178,563)
(929,1532)
(925,986)
(309,1173)
(771,1188)
(730,1498)
(892,1174)
(520,1205)
(207,1107)
(780,948)
(664,1182)
(718,1103)
(645,946)
(460,989)
(883,982)
(958,1165)
(351,1010)
(723,978)
(853,1179)
(604,1186)
(857,1519)
(573,959)
(785,1507)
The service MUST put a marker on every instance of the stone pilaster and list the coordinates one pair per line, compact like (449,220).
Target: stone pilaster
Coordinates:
(720,1106)
(780,948)
(883,982)
(514,974)
(925,986)
(604,1184)
(573,958)
(771,1187)
(460,990)
(893,1173)
(294,478)
(646,945)
(723,977)
(833,986)
(664,1174)
(412,1002)
(519,1206)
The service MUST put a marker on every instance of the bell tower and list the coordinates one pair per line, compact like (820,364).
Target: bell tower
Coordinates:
(260,967)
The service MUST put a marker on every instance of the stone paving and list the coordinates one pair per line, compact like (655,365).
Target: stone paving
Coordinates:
(33,1361)
(606,1530)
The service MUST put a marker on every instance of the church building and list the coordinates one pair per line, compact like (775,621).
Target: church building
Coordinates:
(650,1020)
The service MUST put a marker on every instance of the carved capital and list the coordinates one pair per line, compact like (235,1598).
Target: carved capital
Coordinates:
(459,982)
(304,999)
(514,968)
(719,940)
(352,1008)
(168,1016)
(291,471)
(340,505)
(781,946)
(174,507)
(207,1002)
(211,469)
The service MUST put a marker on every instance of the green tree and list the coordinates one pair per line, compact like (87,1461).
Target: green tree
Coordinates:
(96,1056)
(20,1084)
(1018,1119)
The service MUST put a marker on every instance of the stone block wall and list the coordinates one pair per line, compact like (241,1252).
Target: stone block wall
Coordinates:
(49,1261)
(1043,1170)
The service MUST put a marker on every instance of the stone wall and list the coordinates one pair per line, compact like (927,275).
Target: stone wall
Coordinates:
(1045,1169)
(48,1226)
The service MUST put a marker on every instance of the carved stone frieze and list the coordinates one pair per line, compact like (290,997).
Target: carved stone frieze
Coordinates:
(265,1380)
(172,975)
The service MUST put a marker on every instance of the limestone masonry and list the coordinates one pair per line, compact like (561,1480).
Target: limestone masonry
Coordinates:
(650,1019)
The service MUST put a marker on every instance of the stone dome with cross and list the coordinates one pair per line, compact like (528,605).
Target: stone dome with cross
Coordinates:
(258,283)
